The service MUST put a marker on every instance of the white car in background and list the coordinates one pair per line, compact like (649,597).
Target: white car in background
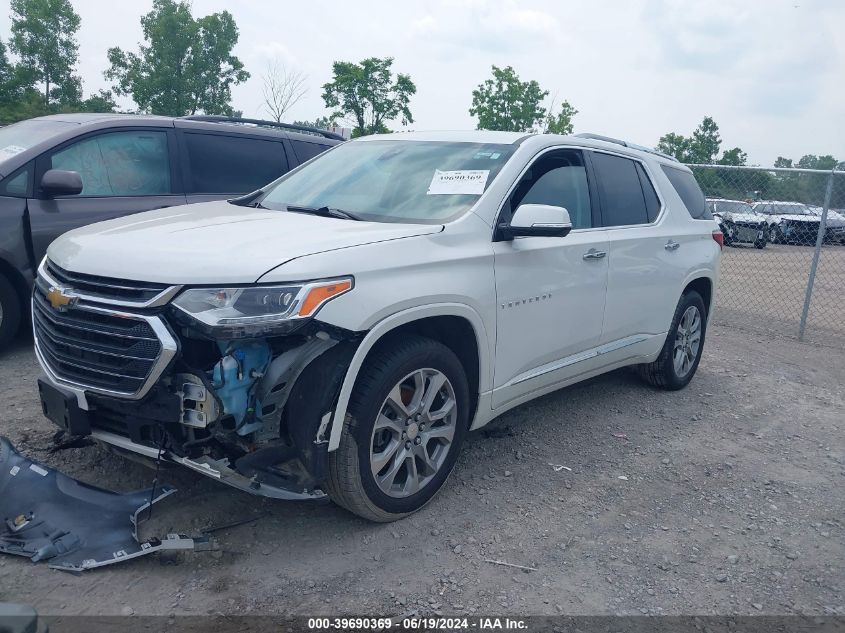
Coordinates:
(341,330)
(789,222)
(834,224)
(739,222)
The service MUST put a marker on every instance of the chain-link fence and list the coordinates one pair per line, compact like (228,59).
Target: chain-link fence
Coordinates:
(783,266)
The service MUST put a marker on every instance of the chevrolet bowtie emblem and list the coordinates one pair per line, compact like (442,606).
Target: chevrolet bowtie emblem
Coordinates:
(62,299)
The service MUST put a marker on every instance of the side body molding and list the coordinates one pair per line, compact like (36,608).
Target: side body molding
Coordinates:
(391,323)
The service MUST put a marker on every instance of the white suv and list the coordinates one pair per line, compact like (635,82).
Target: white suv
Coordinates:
(340,331)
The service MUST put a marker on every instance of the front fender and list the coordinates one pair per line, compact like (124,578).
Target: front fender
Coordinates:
(389,324)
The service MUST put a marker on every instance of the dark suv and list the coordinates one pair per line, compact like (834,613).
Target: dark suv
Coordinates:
(64,171)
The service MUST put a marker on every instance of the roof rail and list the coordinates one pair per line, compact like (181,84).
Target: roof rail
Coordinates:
(609,139)
(214,118)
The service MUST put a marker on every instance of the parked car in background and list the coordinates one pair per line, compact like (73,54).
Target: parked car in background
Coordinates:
(739,222)
(342,330)
(789,222)
(64,171)
(834,226)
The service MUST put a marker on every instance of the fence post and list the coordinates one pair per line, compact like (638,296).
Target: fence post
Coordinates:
(814,266)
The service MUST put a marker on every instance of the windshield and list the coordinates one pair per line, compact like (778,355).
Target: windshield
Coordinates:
(734,207)
(775,208)
(16,138)
(425,182)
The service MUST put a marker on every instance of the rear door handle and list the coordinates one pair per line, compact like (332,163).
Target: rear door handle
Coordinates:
(594,254)
(672,245)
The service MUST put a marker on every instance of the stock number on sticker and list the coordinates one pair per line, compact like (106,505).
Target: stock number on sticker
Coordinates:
(345,624)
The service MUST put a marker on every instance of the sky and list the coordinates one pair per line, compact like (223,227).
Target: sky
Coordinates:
(770,72)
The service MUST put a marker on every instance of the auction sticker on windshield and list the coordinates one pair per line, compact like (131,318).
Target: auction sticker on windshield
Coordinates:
(466,181)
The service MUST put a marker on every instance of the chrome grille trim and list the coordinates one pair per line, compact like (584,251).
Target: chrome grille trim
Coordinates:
(166,342)
(57,276)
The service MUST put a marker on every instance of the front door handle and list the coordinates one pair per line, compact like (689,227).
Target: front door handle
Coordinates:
(594,254)
(672,245)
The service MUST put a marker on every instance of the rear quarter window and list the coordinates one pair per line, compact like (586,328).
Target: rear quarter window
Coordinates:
(690,193)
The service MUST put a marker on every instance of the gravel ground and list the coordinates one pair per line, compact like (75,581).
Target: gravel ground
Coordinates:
(725,498)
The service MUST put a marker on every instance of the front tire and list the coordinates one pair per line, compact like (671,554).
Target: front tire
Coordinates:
(406,422)
(681,353)
(10,312)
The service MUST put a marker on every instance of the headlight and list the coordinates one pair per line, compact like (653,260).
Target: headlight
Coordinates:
(256,309)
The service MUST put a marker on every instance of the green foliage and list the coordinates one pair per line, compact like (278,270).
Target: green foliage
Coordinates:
(733,156)
(811,161)
(702,147)
(562,122)
(783,162)
(675,145)
(368,95)
(186,65)
(322,122)
(44,39)
(506,103)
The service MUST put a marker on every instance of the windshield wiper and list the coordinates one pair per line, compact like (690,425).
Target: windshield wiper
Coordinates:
(324,212)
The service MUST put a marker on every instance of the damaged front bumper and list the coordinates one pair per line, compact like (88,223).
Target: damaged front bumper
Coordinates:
(253,413)
(47,516)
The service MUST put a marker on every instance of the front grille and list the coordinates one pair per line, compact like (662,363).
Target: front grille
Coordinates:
(101,350)
(106,288)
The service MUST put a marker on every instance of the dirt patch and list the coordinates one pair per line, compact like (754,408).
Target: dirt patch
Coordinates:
(724,498)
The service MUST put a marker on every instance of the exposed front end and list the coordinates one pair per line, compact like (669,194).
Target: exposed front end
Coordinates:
(238,384)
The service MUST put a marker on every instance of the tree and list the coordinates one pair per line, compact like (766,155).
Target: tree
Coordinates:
(811,161)
(783,162)
(704,143)
(367,94)
(562,122)
(733,156)
(323,122)
(44,38)
(186,65)
(506,103)
(103,101)
(675,145)
(283,88)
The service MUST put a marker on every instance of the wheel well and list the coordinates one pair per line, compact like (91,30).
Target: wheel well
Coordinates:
(454,332)
(704,287)
(18,283)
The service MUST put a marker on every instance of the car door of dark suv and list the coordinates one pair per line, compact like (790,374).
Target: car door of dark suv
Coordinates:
(123,171)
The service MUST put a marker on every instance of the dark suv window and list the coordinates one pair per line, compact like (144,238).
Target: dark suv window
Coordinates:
(689,191)
(621,190)
(232,164)
(129,163)
(306,151)
(558,179)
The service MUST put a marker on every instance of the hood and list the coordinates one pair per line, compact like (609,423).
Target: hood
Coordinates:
(796,218)
(212,243)
(754,218)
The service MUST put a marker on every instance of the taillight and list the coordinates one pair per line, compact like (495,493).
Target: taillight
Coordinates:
(719,238)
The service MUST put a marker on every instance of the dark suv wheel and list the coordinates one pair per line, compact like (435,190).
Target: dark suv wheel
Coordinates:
(408,416)
(681,352)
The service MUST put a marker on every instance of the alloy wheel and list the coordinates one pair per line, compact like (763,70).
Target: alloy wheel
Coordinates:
(413,432)
(687,341)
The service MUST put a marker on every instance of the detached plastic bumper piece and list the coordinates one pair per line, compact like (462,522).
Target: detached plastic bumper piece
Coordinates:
(46,515)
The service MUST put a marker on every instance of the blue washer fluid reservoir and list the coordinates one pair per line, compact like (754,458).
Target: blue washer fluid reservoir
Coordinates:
(234,377)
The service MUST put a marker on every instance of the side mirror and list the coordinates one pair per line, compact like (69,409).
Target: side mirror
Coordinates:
(537,220)
(58,182)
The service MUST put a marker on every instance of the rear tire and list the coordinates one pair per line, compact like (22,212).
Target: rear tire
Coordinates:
(10,312)
(679,358)
(374,473)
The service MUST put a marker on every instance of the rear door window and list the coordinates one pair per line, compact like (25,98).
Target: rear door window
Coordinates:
(690,193)
(622,198)
(126,163)
(305,151)
(232,164)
